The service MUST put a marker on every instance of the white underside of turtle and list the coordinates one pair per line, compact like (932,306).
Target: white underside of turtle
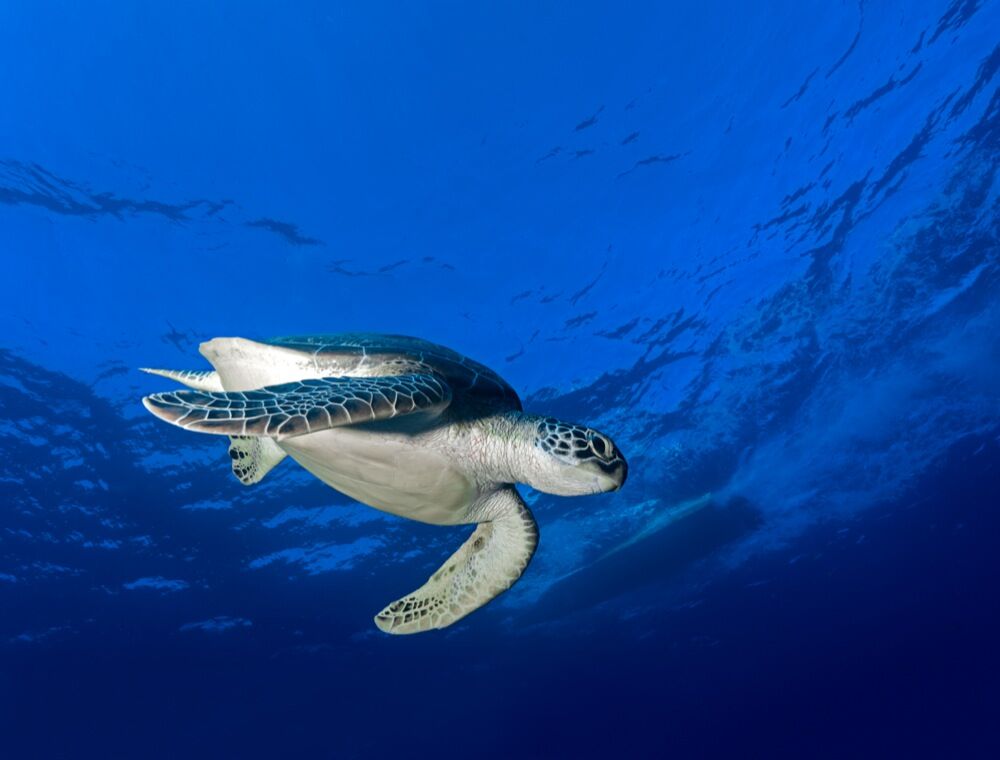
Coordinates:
(404,426)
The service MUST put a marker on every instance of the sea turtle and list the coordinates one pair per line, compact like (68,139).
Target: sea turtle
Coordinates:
(405,426)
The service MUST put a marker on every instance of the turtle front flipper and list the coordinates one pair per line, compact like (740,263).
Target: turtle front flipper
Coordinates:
(200,380)
(487,564)
(303,406)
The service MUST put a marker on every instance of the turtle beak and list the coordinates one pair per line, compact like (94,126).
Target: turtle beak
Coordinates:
(620,474)
(613,476)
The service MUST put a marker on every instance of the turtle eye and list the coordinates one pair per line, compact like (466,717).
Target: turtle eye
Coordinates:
(600,445)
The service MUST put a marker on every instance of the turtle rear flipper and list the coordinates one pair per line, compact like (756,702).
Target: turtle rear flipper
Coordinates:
(253,457)
(487,564)
(252,460)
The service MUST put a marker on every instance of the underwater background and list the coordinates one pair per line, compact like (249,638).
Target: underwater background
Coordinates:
(755,243)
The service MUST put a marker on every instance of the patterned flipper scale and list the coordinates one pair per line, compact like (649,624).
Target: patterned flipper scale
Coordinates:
(253,457)
(486,565)
(301,407)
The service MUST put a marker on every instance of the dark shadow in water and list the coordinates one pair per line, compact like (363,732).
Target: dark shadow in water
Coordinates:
(653,559)
(290,232)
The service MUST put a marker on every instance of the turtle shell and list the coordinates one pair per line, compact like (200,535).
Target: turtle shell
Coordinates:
(352,352)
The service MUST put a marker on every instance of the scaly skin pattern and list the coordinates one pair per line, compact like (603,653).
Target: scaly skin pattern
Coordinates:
(489,562)
(545,453)
(493,450)
(302,406)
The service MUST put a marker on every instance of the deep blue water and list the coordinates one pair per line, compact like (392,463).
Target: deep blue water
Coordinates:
(758,245)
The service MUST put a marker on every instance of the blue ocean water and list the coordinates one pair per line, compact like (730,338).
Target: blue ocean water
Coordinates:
(757,244)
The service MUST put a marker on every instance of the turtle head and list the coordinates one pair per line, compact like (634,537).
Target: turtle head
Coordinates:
(573,460)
